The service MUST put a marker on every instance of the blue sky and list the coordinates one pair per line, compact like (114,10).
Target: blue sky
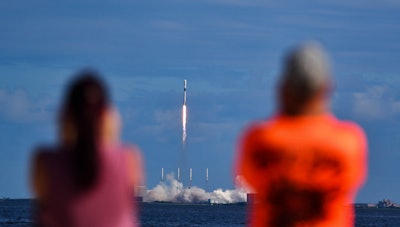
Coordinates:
(230,52)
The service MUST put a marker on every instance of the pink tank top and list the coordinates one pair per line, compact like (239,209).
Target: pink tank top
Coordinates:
(109,203)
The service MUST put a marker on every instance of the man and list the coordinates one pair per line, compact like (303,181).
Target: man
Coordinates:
(304,165)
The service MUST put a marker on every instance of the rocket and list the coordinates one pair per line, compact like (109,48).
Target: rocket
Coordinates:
(184,92)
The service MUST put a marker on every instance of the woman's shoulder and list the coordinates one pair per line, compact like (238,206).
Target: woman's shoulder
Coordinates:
(134,160)
(128,152)
(131,152)
(119,147)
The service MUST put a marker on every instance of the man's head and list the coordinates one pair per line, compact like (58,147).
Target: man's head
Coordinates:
(306,78)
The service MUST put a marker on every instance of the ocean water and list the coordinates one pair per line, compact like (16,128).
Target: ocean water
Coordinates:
(15,212)
(192,215)
(18,213)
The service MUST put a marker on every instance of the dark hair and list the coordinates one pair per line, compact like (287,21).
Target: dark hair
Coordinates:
(84,104)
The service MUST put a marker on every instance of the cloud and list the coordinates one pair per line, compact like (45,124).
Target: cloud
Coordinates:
(376,102)
(17,106)
(162,126)
(166,116)
(205,131)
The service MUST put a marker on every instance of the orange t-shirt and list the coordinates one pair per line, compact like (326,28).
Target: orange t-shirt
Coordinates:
(305,170)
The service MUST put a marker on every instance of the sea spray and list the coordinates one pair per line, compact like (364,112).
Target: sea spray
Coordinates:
(172,190)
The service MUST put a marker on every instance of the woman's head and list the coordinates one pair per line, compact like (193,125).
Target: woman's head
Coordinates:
(84,104)
(81,121)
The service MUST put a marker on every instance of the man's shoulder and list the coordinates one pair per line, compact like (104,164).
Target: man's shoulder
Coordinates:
(349,135)
(351,128)
(257,127)
(330,124)
(264,124)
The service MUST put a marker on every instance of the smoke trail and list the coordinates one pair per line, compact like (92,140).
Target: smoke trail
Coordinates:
(172,190)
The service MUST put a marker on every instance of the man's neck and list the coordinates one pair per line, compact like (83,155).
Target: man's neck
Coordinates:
(315,106)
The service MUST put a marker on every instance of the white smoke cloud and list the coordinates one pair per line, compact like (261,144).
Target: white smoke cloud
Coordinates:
(369,103)
(18,106)
(376,102)
(172,190)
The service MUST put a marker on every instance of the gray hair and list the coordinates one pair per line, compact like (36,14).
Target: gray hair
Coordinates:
(306,71)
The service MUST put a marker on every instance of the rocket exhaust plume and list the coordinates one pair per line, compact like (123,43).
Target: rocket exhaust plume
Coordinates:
(190,178)
(184,113)
(183,123)
(206,180)
(182,175)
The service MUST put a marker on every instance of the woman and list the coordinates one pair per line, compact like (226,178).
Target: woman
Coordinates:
(89,178)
